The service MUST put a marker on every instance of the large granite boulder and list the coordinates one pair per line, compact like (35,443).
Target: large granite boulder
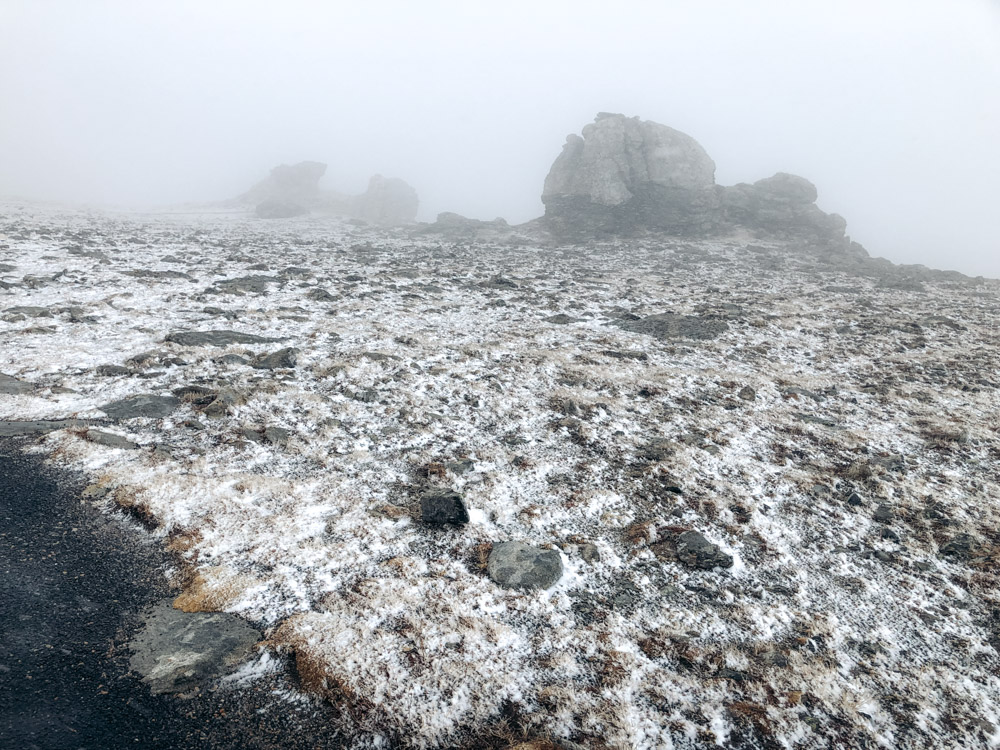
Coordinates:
(626,174)
(294,184)
(388,201)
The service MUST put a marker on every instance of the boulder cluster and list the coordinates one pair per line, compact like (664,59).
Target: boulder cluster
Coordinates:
(625,176)
(293,190)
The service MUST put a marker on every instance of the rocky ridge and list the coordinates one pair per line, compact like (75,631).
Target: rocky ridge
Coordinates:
(626,176)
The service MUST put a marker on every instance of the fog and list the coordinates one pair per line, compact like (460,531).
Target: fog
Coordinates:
(892,107)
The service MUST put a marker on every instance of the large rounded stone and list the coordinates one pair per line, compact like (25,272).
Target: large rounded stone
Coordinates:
(516,565)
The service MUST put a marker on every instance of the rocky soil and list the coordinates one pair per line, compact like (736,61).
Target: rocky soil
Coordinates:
(647,494)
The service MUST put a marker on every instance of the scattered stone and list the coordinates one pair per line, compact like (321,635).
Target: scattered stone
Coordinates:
(29,311)
(692,549)
(110,440)
(670,326)
(589,553)
(747,393)
(113,370)
(855,500)
(176,651)
(883,513)
(443,506)
(961,547)
(658,449)
(281,359)
(246,284)
(277,436)
(498,282)
(143,405)
(561,319)
(198,395)
(320,295)
(147,274)
(232,359)
(216,338)
(516,565)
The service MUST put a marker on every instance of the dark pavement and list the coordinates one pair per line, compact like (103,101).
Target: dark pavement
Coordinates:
(73,583)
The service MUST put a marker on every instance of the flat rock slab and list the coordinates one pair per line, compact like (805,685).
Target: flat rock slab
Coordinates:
(178,651)
(516,565)
(216,338)
(143,405)
(281,359)
(11,386)
(41,427)
(692,549)
(110,440)
(672,326)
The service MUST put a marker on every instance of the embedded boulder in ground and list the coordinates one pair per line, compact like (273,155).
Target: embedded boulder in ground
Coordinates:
(443,506)
(144,405)
(516,565)
(692,549)
(215,338)
(178,651)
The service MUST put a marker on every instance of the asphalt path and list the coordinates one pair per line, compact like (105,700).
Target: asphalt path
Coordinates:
(73,584)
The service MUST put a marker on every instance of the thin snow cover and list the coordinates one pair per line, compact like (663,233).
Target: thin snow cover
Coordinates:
(839,440)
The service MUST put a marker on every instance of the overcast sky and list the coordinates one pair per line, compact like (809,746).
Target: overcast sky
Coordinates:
(892,107)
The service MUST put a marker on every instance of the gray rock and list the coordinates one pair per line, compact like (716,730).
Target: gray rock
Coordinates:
(41,427)
(671,326)
(747,393)
(143,405)
(275,208)
(516,565)
(291,183)
(443,506)
(110,440)
(320,295)
(113,370)
(177,651)
(11,386)
(625,174)
(283,358)
(883,513)
(216,338)
(246,285)
(276,436)
(223,403)
(388,201)
(29,311)
(149,274)
(198,395)
(692,549)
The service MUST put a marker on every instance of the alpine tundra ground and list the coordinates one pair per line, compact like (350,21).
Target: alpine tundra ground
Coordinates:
(770,474)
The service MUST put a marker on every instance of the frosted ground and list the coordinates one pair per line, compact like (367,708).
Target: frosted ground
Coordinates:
(833,429)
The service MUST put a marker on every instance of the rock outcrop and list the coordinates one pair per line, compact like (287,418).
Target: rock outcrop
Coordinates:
(388,201)
(626,176)
(293,190)
(289,183)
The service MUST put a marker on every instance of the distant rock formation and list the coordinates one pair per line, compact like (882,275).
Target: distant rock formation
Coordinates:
(627,176)
(387,201)
(294,183)
(275,208)
(293,190)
